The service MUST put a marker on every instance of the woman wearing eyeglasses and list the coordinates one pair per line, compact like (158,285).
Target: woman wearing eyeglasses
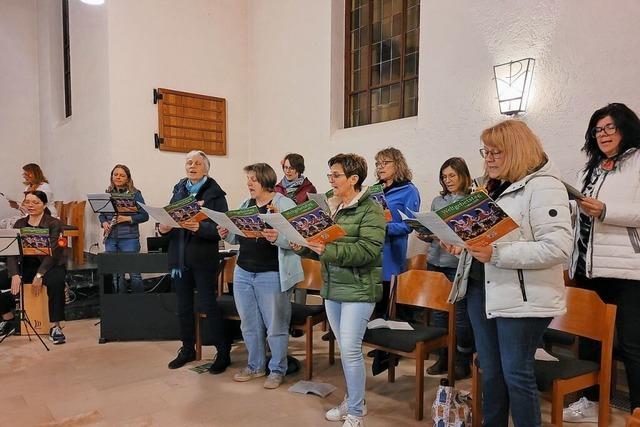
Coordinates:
(351,271)
(394,174)
(606,255)
(45,269)
(293,184)
(515,286)
(455,180)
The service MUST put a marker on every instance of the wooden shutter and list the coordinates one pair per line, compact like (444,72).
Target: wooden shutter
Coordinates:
(188,121)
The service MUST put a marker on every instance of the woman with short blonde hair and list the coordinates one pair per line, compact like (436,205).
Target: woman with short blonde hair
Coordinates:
(520,148)
(515,286)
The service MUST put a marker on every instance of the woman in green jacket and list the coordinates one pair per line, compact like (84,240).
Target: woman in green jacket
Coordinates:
(352,273)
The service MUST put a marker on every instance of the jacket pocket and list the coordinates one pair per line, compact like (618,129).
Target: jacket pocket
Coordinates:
(634,238)
(521,281)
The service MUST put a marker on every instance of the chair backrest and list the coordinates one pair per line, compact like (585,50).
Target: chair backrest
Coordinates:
(588,316)
(65,212)
(427,289)
(226,275)
(58,204)
(312,275)
(76,215)
(417,262)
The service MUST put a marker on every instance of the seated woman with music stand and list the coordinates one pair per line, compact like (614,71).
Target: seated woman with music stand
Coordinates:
(45,269)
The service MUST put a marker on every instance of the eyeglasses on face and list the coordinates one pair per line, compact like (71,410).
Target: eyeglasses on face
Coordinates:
(608,129)
(334,175)
(382,163)
(486,153)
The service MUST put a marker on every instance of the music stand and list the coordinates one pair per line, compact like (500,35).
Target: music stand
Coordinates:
(10,245)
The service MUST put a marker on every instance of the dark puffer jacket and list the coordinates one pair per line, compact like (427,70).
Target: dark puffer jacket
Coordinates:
(352,265)
(197,250)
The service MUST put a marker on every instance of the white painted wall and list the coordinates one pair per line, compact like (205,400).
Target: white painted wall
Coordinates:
(75,150)
(582,63)
(198,46)
(19,116)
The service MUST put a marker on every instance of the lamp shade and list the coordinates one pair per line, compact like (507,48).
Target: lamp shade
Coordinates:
(513,82)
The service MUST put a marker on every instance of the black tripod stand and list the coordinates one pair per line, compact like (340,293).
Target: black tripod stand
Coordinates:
(13,248)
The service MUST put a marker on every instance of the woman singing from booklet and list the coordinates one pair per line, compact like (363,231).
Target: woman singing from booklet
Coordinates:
(121,231)
(44,262)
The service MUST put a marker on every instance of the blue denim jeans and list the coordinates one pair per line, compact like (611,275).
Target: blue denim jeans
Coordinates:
(263,308)
(125,245)
(505,353)
(348,322)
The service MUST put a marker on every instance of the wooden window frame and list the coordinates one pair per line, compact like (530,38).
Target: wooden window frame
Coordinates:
(368,87)
(66,58)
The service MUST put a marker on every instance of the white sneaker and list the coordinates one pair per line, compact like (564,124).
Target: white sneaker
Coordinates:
(353,421)
(582,411)
(339,413)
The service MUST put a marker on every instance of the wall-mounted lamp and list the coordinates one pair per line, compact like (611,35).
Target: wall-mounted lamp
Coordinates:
(513,81)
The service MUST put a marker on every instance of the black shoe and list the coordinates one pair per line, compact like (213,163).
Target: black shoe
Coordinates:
(462,371)
(438,368)
(328,336)
(223,360)
(185,355)
(7,328)
(296,333)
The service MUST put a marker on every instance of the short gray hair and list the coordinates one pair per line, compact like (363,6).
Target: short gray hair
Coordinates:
(194,153)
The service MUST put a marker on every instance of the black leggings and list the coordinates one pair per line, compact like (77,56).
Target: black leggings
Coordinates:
(626,295)
(7,302)
(54,281)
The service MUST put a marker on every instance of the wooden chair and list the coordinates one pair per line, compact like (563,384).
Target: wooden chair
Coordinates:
(305,316)
(225,301)
(72,218)
(634,419)
(427,289)
(587,316)
(417,262)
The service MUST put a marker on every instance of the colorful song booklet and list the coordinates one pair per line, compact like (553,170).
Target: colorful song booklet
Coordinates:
(35,241)
(187,209)
(244,222)
(474,220)
(304,224)
(124,203)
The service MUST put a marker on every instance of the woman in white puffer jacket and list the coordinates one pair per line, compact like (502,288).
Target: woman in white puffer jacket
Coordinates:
(606,255)
(515,286)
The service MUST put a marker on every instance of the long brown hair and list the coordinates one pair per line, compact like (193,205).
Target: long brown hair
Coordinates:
(460,167)
(38,175)
(130,187)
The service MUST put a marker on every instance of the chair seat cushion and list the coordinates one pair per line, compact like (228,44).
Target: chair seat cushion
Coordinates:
(300,312)
(227,305)
(403,340)
(566,367)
